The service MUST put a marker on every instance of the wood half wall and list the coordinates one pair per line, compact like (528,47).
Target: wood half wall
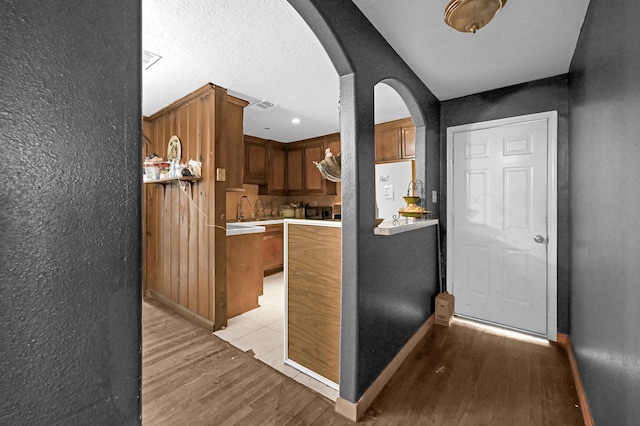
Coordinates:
(184,241)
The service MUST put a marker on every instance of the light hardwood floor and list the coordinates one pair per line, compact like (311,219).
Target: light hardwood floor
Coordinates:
(458,375)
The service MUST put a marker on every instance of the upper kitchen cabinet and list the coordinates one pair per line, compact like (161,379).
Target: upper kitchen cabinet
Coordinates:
(295,169)
(277,169)
(233,142)
(395,141)
(303,177)
(255,160)
(313,180)
(265,165)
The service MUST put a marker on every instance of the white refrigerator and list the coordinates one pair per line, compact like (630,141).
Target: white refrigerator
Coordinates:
(392,182)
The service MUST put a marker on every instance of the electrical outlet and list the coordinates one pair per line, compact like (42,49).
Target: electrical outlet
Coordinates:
(221,175)
(434,196)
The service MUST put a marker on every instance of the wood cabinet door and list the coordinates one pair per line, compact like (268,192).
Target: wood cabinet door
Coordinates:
(234,145)
(255,162)
(313,180)
(295,172)
(334,144)
(388,147)
(273,249)
(408,142)
(277,167)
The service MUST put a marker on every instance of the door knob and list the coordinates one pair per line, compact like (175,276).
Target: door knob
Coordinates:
(538,239)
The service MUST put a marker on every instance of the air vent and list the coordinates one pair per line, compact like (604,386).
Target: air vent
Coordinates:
(263,104)
(149,59)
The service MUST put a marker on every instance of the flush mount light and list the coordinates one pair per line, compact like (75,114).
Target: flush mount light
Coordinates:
(468,16)
(295,120)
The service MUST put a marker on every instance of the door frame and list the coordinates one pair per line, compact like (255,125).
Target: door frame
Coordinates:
(552,204)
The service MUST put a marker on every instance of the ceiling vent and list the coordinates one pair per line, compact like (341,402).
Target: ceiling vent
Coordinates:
(149,59)
(263,104)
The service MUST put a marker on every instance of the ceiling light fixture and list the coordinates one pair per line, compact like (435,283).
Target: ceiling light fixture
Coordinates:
(295,120)
(468,16)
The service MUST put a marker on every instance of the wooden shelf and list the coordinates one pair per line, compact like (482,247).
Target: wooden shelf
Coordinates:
(171,180)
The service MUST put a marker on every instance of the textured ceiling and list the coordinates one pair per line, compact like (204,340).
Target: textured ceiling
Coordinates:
(527,40)
(263,50)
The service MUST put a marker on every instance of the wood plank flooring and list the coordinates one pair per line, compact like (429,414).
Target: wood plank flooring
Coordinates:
(191,377)
(458,375)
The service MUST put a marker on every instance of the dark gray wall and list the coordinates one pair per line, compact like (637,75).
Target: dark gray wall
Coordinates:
(388,283)
(550,94)
(605,181)
(70,216)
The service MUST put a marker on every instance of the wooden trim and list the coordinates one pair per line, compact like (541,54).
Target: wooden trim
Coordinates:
(582,396)
(195,95)
(355,411)
(181,310)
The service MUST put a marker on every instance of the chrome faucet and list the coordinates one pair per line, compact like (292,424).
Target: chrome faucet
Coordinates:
(240,212)
(259,207)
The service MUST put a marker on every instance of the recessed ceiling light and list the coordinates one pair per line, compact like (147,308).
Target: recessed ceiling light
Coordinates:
(295,120)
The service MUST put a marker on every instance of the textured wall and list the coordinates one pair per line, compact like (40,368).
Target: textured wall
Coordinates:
(388,282)
(605,153)
(528,98)
(70,217)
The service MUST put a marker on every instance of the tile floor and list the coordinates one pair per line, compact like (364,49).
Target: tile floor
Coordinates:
(262,330)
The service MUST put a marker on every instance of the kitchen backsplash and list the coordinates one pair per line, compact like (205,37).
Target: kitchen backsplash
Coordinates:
(251,191)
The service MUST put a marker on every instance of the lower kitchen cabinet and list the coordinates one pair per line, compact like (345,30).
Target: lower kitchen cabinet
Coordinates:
(244,273)
(272,249)
(313,303)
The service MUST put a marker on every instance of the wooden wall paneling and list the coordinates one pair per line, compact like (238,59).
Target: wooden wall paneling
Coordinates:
(174,222)
(190,254)
(218,256)
(192,212)
(204,285)
(181,250)
(148,229)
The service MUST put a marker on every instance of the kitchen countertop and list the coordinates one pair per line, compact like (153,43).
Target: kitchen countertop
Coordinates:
(391,227)
(264,222)
(242,228)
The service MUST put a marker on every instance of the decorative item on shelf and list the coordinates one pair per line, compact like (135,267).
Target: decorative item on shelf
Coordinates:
(413,208)
(468,16)
(154,166)
(174,149)
(330,167)
(194,167)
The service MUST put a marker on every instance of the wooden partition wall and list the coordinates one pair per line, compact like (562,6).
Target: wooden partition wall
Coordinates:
(184,252)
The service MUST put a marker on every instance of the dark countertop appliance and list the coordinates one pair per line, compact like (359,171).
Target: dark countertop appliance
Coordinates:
(319,212)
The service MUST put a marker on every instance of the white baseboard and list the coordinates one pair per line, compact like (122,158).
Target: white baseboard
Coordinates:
(355,410)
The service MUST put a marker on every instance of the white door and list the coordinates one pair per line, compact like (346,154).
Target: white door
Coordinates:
(498,234)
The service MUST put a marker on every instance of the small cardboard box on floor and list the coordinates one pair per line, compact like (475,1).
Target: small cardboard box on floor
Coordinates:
(444,308)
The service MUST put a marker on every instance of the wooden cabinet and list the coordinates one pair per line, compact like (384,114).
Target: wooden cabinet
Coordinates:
(244,273)
(313,302)
(233,142)
(313,180)
(277,169)
(395,141)
(295,170)
(333,143)
(388,144)
(408,142)
(273,249)
(255,160)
